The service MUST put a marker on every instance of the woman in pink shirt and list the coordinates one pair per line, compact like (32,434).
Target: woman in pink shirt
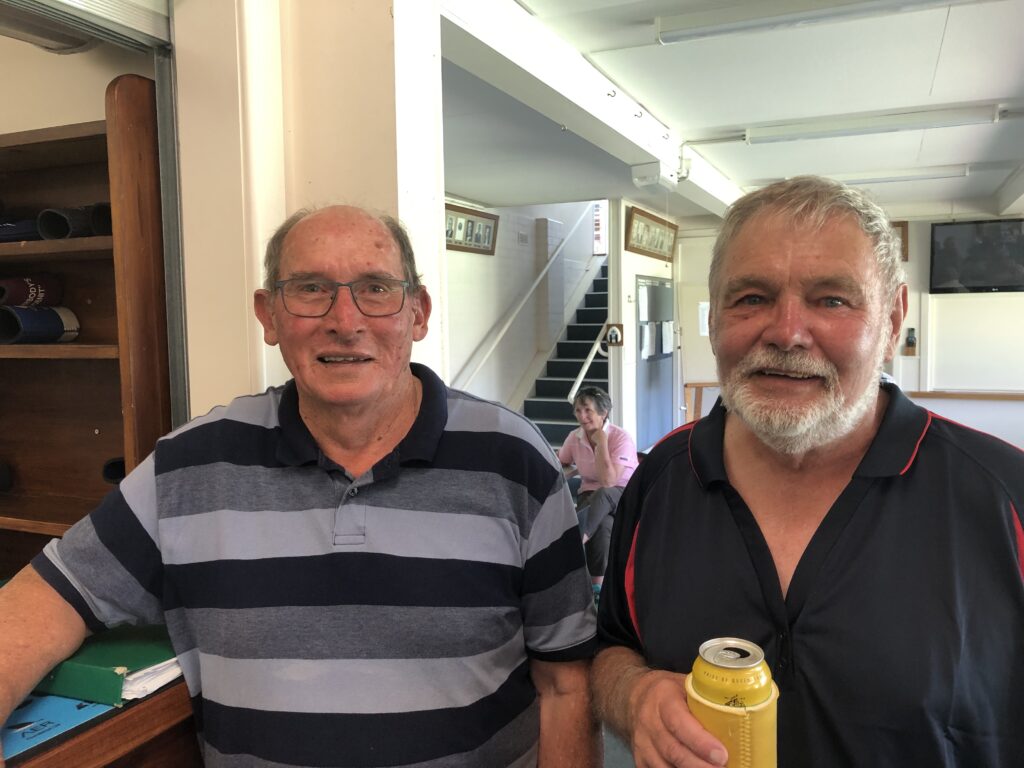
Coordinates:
(604,456)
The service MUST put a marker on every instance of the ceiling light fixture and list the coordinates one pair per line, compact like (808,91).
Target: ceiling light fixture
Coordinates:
(42,32)
(924,173)
(861,125)
(779,14)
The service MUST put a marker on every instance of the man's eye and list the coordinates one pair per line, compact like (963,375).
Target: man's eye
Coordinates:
(751,300)
(311,287)
(375,286)
(833,301)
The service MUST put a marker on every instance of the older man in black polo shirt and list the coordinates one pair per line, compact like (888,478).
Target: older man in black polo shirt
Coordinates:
(874,550)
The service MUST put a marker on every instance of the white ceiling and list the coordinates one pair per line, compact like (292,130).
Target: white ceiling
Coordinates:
(498,151)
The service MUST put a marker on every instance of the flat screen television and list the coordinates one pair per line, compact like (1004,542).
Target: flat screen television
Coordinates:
(977,256)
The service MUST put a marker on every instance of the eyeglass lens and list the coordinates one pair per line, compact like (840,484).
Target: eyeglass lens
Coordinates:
(375,297)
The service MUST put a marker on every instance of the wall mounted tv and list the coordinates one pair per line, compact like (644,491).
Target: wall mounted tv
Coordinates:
(977,256)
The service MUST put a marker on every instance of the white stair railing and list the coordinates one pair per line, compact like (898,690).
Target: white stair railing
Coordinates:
(495,338)
(595,350)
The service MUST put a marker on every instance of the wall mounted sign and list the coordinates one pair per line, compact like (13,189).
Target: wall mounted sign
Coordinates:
(614,336)
(468,229)
(649,235)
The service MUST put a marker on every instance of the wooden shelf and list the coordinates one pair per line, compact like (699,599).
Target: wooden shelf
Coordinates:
(68,351)
(62,145)
(40,527)
(70,249)
(47,515)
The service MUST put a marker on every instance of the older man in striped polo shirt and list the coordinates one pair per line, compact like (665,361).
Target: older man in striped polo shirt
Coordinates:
(361,567)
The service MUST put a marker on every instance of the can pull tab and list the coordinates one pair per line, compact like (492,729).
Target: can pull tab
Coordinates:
(731,653)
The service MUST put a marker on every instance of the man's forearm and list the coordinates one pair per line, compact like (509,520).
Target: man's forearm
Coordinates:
(615,674)
(38,629)
(569,733)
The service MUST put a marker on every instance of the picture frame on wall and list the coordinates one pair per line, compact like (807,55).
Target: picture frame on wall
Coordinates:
(470,230)
(649,235)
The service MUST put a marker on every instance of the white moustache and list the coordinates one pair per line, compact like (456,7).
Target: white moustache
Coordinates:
(796,364)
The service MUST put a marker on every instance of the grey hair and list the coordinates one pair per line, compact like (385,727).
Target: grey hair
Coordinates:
(812,201)
(275,246)
(601,399)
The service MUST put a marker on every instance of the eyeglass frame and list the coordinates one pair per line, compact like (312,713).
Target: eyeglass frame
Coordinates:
(336,285)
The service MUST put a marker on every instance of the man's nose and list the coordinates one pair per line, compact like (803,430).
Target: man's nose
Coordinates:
(788,325)
(344,310)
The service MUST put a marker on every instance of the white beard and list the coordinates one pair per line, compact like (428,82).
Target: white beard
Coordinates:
(797,430)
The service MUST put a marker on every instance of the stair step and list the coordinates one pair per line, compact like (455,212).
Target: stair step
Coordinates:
(573,350)
(596,299)
(583,331)
(548,409)
(555,431)
(600,285)
(559,368)
(604,270)
(592,315)
(559,387)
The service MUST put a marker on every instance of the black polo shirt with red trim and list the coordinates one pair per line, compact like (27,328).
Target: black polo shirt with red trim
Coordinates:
(901,639)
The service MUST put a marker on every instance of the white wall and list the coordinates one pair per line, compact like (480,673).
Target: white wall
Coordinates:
(484,289)
(694,264)
(284,104)
(622,309)
(47,89)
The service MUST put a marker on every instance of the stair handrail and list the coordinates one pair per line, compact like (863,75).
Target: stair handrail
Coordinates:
(496,340)
(595,349)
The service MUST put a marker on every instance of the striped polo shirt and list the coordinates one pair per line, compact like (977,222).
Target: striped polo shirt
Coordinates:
(325,620)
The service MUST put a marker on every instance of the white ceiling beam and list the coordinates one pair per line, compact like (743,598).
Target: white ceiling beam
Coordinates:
(1010,196)
(504,45)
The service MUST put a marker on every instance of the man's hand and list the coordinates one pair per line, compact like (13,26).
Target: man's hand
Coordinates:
(664,729)
(648,709)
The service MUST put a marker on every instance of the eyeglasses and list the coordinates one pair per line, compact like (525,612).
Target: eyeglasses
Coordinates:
(373,296)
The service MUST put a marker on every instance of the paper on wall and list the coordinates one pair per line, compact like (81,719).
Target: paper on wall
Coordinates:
(667,336)
(647,340)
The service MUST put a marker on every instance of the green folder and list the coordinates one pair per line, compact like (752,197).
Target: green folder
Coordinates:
(96,671)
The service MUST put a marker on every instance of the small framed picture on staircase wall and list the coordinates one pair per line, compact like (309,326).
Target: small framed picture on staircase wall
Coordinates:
(649,235)
(470,229)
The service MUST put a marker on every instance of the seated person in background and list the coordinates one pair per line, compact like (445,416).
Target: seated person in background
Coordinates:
(605,457)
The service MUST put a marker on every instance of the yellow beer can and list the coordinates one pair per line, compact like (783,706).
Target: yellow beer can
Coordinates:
(730,691)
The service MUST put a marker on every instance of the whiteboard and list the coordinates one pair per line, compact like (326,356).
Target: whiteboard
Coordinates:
(976,342)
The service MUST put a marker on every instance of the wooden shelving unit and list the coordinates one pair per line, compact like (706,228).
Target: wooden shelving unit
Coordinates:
(66,409)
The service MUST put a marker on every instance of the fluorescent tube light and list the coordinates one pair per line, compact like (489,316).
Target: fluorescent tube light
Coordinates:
(860,125)
(924,173)
(779,14)
(42,32)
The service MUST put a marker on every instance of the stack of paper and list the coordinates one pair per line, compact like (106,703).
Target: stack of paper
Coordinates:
(143,682)
(122,663)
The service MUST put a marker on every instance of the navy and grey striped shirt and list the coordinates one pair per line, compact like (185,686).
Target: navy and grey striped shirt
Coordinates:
(322,620)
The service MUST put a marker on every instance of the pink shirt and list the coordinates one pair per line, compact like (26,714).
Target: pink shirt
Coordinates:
(577,450)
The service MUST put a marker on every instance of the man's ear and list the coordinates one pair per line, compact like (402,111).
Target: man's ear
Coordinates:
(421,307)
(263,306)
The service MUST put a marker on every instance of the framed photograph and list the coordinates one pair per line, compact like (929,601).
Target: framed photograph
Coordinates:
(900,230)
(473,231)
(649,235)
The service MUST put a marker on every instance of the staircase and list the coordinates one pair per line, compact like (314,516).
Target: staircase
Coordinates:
(548,407)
